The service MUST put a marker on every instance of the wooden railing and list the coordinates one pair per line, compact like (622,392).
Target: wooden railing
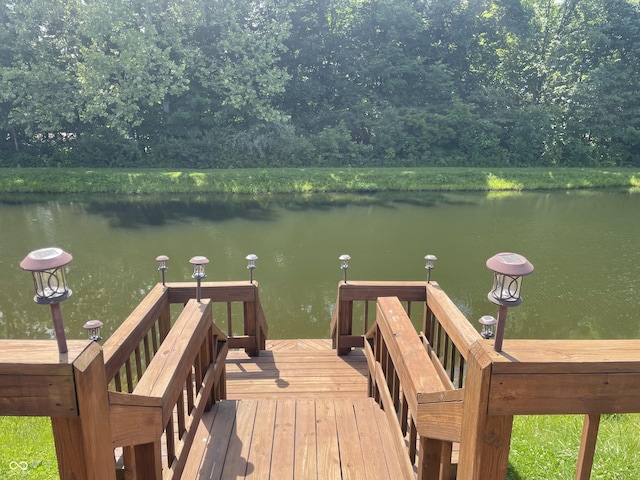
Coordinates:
(162,377)
(411,387)
(145,390)
(342,320)
(134,344)
(180,382)
(542,377)
(528,377)
(36,380)
(245,295)
(456,388)
(448,335)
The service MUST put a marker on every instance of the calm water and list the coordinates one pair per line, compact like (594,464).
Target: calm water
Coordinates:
(584,246)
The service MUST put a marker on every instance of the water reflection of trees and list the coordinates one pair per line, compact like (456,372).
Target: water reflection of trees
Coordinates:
(134,212)
(158,210)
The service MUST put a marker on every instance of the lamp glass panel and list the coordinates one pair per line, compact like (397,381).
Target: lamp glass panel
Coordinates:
(198,271)
(488,331)
(50,284)
(506,288)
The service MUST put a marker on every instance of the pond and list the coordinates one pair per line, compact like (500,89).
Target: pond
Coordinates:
(583,245)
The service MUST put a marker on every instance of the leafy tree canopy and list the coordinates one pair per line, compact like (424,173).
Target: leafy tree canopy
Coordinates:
(249,83)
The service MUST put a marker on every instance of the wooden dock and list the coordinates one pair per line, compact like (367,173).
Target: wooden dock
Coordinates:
(296,411)
(176,397)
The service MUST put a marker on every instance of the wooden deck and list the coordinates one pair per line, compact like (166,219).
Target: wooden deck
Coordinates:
(296,411)
(296,369)
(303,439)
(299,410)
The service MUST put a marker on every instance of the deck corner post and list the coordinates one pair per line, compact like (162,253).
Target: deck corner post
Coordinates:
(485,439)
(83,443)
(344,326)
(251,327)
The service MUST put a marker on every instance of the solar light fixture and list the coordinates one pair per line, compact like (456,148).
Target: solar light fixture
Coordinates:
(199,264)
(162,265)
(93,329)
(50,284)
(488,326)
(251,264)
(344,264)
(430,265)
(508,270)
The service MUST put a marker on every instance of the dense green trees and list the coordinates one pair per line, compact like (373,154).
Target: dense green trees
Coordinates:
(194,83)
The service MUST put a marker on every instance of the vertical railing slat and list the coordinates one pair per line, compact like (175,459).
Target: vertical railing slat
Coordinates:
(229,321)
(129,375)
(138,358)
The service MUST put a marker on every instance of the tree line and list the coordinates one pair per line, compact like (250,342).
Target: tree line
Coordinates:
(262,83)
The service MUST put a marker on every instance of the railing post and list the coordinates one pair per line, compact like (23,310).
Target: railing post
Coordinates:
(344,327)
(341,323)
(251,328)
(434,460)
(485,439)
(83,443)
(144,462)
(587,446)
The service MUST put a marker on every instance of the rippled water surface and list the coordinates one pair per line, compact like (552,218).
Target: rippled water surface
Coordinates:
(584,246)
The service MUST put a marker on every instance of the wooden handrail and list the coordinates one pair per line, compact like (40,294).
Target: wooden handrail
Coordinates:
(193,355)
(412,391)
(449,316)
(542,377)
(145,388)
(341,328)
(255,329)
(151,314)
(134,344)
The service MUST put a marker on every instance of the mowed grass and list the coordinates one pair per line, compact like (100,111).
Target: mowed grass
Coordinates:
(542,448)
(310,180)
(27,449)
(547,447)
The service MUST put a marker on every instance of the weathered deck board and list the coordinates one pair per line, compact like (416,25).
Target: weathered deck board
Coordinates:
(286,439)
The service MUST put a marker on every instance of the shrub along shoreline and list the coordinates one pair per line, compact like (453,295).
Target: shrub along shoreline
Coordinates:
(310,180)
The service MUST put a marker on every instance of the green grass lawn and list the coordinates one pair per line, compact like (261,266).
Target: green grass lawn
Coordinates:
(542,448)
(546,448)
(27,449)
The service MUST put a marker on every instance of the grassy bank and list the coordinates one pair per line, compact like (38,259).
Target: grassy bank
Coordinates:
(309,180)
